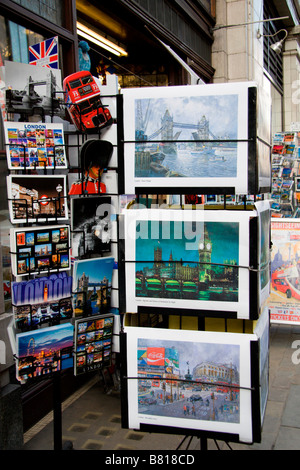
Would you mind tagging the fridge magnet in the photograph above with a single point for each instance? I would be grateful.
(82, 97)
(94, 156)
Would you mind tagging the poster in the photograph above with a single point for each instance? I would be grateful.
(284, 300)
(93, 343)
(41, 352)
(40, 250)
(41, 301)
(190, 259)
(192, 380)
(91, 226)
(37, 198)
(92, 281)
(176, 138)
(34, 145)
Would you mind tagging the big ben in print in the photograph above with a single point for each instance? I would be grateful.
(205, 249)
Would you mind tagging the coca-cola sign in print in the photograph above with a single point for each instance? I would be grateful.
(156, 356)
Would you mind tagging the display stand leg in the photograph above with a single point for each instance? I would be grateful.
(203, 443)
(57, 419)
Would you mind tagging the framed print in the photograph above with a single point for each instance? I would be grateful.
(193, 260)
(191, 382)
(262, 331)
(92, 281)
(43, 351)
(39, 250)
(43, 300)
(197, 139)
(37, 198)
(35, 146)
(264, 250)
(284, 299)
(93, 343)
(91, 226)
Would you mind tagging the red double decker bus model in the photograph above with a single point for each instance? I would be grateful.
(82, 96)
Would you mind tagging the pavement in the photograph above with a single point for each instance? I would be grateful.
(91, 417)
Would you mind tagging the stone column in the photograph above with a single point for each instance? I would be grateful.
(291, 78)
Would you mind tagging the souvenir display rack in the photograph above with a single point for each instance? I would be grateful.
(117, 177)
(43, 294)
(285, 175)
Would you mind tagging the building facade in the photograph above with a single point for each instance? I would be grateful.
(242, 51)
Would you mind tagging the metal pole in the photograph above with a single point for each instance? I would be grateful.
(57, 418)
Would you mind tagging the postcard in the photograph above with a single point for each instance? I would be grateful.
(170, 147)
(93, 343)
(92, 281)
(34, 145)
(37, 198)
(91, 226)
(190, 259)
(190, 380)
(43, 351)
(38, 250)
(42, 300)
(33, 90)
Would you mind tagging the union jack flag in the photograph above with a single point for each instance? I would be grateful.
(45, 53)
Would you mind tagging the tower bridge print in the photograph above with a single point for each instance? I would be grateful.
(165, 269)
(185, 136)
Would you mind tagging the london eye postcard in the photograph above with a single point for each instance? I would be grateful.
(44, 351)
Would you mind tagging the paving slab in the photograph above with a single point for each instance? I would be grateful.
(288, 439)
(291, 413)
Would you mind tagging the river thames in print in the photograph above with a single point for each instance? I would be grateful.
(186, 136)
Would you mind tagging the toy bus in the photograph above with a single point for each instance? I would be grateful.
(82, 96)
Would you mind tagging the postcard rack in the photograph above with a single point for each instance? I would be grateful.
(43, 294)
(126, 138)
(150, 318)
